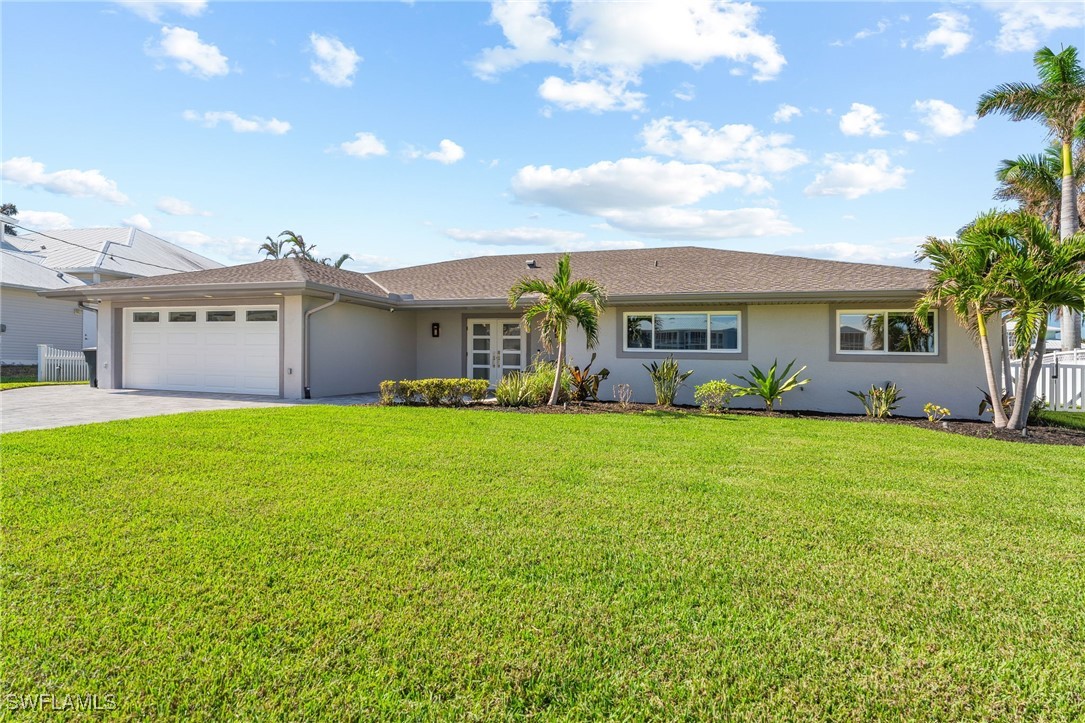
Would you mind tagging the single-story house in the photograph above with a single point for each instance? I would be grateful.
(290, 327)
(68, 258)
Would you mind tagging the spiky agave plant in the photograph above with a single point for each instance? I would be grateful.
(770, 386)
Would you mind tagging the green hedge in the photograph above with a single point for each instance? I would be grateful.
(433, 392)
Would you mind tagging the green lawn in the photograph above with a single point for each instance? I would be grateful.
(1073, 420)
(31, 383)
(330, 563)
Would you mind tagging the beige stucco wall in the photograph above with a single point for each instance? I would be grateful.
(30, 320)
(353, 348)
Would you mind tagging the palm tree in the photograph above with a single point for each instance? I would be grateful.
(1035, 182)
(299, 249)
(559, 302)
(273, 249)
(1030, 273)
(338, 263)
(962, 282)
(1058, 101)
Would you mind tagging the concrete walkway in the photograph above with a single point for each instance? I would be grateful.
(67, 405)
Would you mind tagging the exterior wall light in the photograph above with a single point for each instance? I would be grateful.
(435, 329)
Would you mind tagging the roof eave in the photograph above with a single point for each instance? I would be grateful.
(159, 291)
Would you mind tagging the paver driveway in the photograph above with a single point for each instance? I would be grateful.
(66, 405)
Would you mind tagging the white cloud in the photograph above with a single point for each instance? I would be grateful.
(44, 220)
(741, 147)
(911, 136)
(862, 120)
(1026, 23)
(898, 252)
(363, 145)
(519, 236)
(648, 197)
(590, 95)
(153, 10)
(951, 33)
(785, 112)
(942, 118)
(610, 43)
(448, 152)
(29, 173)
(255, 124)
(137, 220)
(685, 92)
(878, 29)
(334, 63)
(191, 55)
(177, 207)
(864, 173)
(239, 249)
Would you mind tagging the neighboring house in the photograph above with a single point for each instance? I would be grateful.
(89, 255)
(27, 319)
(282, 327)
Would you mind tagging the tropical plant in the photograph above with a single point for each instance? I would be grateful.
(715, 396)
(585, 385)
(9, 210)
(517, 390)
(624, 394)
(558, 303)
(338, 263)
(880, 402)
(1005, 403)
(1031, 273)
(667, 379)
(1035, 182)
(291, 245)
(770, 386)
(1057, 101)
(935, 413)
(962, 281)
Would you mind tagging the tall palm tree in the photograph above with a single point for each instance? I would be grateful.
(1057, 101)
(962, 282)
(559, 302)
(1035, 182)
(298, 248)
(274, 248)
(1031, 273)
(338, 263)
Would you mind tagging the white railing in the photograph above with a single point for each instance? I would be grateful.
(61, 365)
(1062, 382)
(1075, 355)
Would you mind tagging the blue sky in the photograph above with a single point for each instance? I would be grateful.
(405, 133)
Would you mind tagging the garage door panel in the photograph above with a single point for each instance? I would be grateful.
(216, 356)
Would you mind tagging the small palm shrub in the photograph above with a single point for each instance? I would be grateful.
(771, 386)
(880, 402)
(987, 405)
(934, 412)
(667, 379)
(715, 396)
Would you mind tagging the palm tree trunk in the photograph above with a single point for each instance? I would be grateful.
(1007, 369)
(1071, 321)
(1027, 378)
(559, 367)
(998, 414)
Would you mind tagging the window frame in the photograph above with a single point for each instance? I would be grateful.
(737, 352)
(136, 313)
(936, 332)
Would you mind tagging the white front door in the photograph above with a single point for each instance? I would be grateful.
(495, 347)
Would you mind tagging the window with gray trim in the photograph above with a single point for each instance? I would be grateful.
(144, 316)
(221, 315)
(885, 331)
(711, 331)
(262, 315)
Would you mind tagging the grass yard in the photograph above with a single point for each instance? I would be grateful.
(330, 563)
(1072, 420)
(31, 383)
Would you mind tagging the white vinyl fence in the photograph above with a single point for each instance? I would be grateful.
(1062, 381)
(61, 365)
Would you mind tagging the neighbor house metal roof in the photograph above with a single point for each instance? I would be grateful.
(25, 271)
(124, 251)
(638, 273)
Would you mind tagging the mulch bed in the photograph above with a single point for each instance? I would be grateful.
(983, 430)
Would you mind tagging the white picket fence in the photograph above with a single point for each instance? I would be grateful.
(61, 365)
(1062, 383)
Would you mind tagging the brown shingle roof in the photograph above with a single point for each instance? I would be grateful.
(637, 272)
(661, 271)
(278, 271)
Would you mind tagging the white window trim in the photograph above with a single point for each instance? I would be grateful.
(708, 329)
(886, 352)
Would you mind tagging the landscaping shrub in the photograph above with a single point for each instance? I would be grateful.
(432, 392)
(585, 386)
(770, 386)
(667, 380)
(624, 394)
(879, 402)
(987, 405)
(934, 412)
(716, 395)
(519, 389)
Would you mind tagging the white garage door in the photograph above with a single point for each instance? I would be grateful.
(203, 349)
